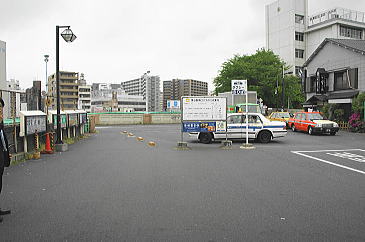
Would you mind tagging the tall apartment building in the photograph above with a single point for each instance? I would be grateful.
(69, 89)
(2, 65)
(34, 97)
(294, 35)
(176, 88)
(84, 92)
(151, 94)
(5, 95)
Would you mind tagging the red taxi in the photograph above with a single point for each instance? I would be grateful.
(312, 122)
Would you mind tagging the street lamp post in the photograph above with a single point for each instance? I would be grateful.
(46, 80)
(282, 88)
(68, 36)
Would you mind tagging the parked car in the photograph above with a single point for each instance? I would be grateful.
(312, 122)
(259, 128)
(280, 116)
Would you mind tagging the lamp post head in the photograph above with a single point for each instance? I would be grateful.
(68, 35)
(46, 58)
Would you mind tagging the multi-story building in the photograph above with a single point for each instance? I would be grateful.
(68, 90)
(176, 88)
(151, 94)
(5, 95)
(13, 84)
(34, 97)
(116, 100)
(294, 35)
(14, 99)
(84, 93)
(2, 65)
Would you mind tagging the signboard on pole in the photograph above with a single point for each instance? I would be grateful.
(32, 122)
(204, 108)
(239, 87)
(173, 104)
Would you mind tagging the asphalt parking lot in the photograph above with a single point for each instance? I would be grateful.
(115, 187)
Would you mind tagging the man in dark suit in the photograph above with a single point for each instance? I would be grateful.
(4, 154)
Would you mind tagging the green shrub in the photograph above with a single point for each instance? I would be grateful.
(358, 104)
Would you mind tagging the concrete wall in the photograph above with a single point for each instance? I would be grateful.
(136, 118)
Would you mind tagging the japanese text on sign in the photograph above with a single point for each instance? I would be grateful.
(35, 123)
(239, 87)
(204, 108)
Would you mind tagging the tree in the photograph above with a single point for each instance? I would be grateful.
(263, 70)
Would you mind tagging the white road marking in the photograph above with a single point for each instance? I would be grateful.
(313, 151)
(329, 162)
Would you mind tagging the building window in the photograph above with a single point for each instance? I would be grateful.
(299, 53)
(312, 87)
(299, 36)
(299, 19)
(341, 81)
(350, 32)
(298, 71)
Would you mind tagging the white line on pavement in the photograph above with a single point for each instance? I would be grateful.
(329, 162)
(313, 151)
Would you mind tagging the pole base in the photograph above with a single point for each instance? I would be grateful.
(61, 147)
(36, 155)
(182, 146)
(247, 147)
(226, 144)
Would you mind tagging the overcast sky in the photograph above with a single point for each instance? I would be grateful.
(120, 40)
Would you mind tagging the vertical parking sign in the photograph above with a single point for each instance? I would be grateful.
(239, 87)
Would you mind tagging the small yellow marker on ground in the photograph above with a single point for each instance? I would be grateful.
(152, 144)
(140, 138)
(130, 135)
(124, 132)
(37, 155)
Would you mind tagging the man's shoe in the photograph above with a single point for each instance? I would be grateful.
(1, 219)
(4, 212)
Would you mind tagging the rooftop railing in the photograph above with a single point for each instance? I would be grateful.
(336, 13)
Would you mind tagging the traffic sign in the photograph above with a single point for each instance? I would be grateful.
(239, 87)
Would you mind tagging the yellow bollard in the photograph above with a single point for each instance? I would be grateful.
(152, 144)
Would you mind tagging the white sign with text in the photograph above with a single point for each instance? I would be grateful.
(204, 108)
(239, 87)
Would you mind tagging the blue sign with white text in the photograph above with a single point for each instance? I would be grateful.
(199, 126)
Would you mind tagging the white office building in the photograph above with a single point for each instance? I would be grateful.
(2, 65)
(116, 100)
(151, 94)
(294, 35)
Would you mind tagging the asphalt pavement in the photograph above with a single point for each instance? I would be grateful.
(111, 187)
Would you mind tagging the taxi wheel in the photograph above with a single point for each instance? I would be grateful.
(205, 138)
(310, 130)
(293, 128)
(333, 133)
(264, 137)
